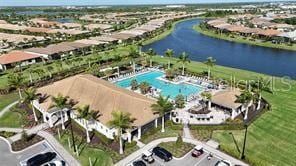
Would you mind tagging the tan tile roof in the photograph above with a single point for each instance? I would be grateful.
(16, 56)
(227, 98)
(102, 96)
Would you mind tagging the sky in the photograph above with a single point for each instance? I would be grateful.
(110, 2)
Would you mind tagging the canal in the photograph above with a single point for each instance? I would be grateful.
(242, 56)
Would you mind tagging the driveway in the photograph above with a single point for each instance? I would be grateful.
(15, 158)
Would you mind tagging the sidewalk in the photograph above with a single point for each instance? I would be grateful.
(33, 130)
(154, 143)
(7, 108)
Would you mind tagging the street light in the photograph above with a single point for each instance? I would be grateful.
(72, 135)
(245, 139)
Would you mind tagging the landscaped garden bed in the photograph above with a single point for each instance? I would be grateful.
(177, 151)
(25, 142)
(6, 134)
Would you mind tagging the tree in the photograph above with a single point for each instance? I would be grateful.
(140, 45)
(134, 54)
(144, 87)
(49, 70)
(179, 141)
(169, 53)
(180, 101)
(60, 102)
(16, 80)
(245, 99)
(183, 58)
(134, 84)
(162, 106)
(86, 114)
(261, 86)
(169, 74)
(210, 63)
(120, 120)
(30, 96)
(207, 97)
(151, 53)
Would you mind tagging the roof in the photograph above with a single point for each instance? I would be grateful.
(75, 44)
(16, 56)
(291, 35)
(102, 96)
(52, 49)
(269, 32)
(91, 42)
(227, 98)
(105, 38)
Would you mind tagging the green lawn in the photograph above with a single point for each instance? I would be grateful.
(11, 119)
(271, 138)
(98, 156)
(241, 39)
(5, 100)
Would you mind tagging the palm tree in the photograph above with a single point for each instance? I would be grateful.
(134, 84)
(207, 96)
(140, 45)
(86, 114)
(169, 53)
(30, 96)
(151, 53)
(133, 55)
(60, 102)
(49, 70)
(121, 120)
(16, 80)
(245, 99)
(210, 63)
(30, 75)
(144, 87)
(162, 106)
(183, 58)
(259, 87)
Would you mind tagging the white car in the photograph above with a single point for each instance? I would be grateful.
(56, 163)
(223, 163)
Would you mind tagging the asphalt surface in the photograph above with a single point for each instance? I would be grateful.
(8, 158)
(187, 160)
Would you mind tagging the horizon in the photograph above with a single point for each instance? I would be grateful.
(37, 3)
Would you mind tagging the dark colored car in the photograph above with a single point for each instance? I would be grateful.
(41, 159)
(139, 163)
(162, 153)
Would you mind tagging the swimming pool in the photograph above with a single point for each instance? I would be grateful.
(167, 89)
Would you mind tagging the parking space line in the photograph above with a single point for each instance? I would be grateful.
(204, 157)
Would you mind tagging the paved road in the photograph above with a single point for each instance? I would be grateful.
(154, 143)
(9, 158)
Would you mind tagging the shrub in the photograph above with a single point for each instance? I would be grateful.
(180, 101)
(130, 145)
(25, 136)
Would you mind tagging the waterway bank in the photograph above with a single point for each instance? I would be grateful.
(240, 39)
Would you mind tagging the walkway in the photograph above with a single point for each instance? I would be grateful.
(30, 131)
(154, 143)
(186, 131)
(7, 108)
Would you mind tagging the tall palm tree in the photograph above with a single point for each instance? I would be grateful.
(60, 102)
(261, 86)
(151, 53)
(16, 80)
(133, 55)
(121, 120)
(169, 53)
(144, 87)
(85, 113)
(162, 106)
(245, 99)
(30, 96)
(183, 58)
(207, 96)
(210, 62)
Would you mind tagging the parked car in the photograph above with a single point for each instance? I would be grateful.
(147, 156)
(56, 163)
(197, 151)
(223, 163)
(138, 163)
(41, 159)
(162, 153)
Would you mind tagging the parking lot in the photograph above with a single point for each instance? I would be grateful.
(187, 160)
(9, 158)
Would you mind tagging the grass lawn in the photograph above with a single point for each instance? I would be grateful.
(98, 156)
(11, 119)
(177, 151)
(156, 133)
(5, 100)
(241, 39)
(271, 138)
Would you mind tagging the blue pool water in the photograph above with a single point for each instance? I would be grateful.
(167, 89)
